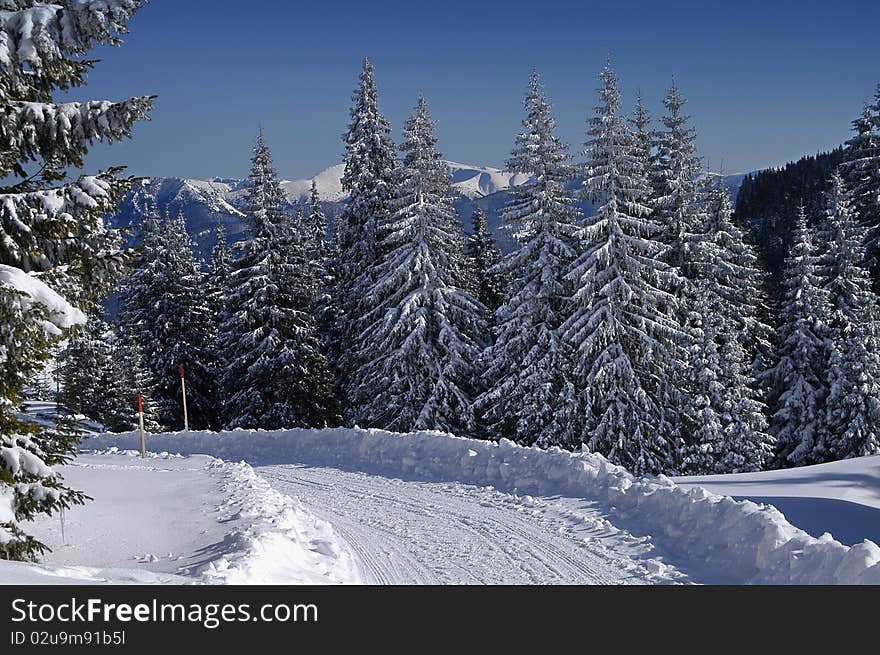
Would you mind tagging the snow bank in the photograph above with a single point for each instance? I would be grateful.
(281, 543)
(169, 519)
(726, 540)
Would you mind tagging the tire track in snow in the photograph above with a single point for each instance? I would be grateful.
(405, 532)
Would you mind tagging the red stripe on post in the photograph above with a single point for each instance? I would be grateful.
(181, 371)
(140, 404)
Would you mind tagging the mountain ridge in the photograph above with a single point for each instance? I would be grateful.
(215, 201)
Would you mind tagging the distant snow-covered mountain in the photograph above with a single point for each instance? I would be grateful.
(209, 203)
(469, 181)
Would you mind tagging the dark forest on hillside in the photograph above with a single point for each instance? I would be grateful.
(768, 202)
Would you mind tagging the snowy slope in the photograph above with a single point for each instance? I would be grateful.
(175, 520)
(328, 181)
(469, 181)
(685, 532)
(46, 414)
(842, 498)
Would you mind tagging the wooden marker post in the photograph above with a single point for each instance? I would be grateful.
(141, 425)
(183, 387)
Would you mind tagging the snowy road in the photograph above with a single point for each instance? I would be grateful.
(405, 532)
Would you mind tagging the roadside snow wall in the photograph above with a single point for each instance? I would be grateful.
(729, 541)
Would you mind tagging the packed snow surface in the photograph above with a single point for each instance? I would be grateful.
(181, 520)
(431, 507)
(413, 532)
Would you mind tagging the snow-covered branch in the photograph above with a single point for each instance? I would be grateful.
(36, 228)
(61, 133)
(41, 34)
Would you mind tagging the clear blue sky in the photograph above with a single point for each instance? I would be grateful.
(767, 81)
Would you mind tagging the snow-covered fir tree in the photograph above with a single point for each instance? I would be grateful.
(101, 377)
(370, 162)
(641, 128)
(529, 390)
(275, 373)
(315, 226)
(423, 337)
(618, 325)
(322, 254)
(77, 364)
(219, 271)
(723, 415)
(165, 308)
(674, 180)
(853, 374)
(673, 170)
(51, 227)
(486, 283)
(140, 380)
(217, 289)
(92, 379)
(861, 172)
(798, 378)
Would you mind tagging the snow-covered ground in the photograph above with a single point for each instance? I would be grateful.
(431, 507)
(413, 532)
(180, 520)
(842, 498)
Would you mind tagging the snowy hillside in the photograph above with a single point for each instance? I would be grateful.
(467, 180)
(328, 181)
(842, 498)
(175, 520)
(388, 492)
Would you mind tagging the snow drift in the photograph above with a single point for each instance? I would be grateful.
(728, 541)
(219, 523)
(282, 542)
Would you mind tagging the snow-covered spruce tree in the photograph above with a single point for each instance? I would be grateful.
(853, 375)
(77, 364)
(322, 254)
(51, 230)
(137, 292)
(674, 180)
(623, 339)
(275, 373)
(529, 391)
(101, 377)
(91, 378)
(315, 226)
(219, 270)
(217, 289)
(641, 128)
(724, 416)
(317, 246)
(423, 336)
(486, 283)
(370, 162)
(861, 172)
(797, 380)
(140, 380)
(164, 306)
